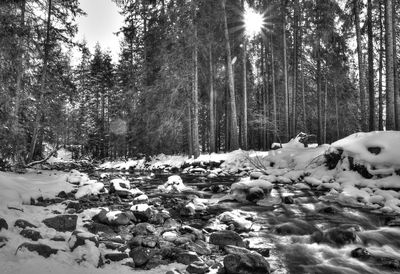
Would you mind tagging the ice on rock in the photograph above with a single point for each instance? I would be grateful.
(174, 184)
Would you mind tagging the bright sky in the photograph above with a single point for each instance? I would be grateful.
(100, 24)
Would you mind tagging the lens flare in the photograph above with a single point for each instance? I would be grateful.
(253, 22)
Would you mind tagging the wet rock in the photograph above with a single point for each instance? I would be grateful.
(74, 205)
(246, 264)
(288, 200)
(336, 236)
(79, 238)
(42, 249)
(360, 253)
(232, 249)
(186, 238)
(226, 237)
(23, 224)
(296, 227)
(197, 267)
(31, 234)
(255, 194)
(188, 257)
(3, 224)
(62, 223)
(141, 255)
(116, 257)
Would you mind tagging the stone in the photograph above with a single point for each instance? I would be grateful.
(255, 194)
(143, 229)
(79, 238)
(42, 249)
(288, 200)
(232, 249)
(256, 174)
(295, 227)
(74, 205)
(3, 224)
(23, 224)
(3, 241)
(62, 223)
(141, 255)
(200, 247)
(188, 257)
(226, 237)
(360, 253)
(31, 234)
(170, 236)
(97, 228)
(116, 257)
(197, 268)
(336, 236)
(251, 263)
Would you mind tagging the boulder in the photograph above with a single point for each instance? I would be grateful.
(41, 249)
(31, 234)
(23, 224)
(62, 223)
(335, 236)
(188, 257)
(226, 237)
(116, 257)
(79, 238)
(170, 236)
(197, 267)
(141, 255)
(3, 224)
(251, 263)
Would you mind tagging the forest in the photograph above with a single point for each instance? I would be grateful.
(192, 79)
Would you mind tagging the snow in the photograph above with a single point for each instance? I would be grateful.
(62, 156)
(174, 184)
(93, 188)
(19, 189)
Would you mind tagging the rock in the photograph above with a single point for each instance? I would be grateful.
(3, 224)
(31, 234)
(170, 236)
(3, 241)
(143, 229)
(200, 247)
(360, 253)
(295, 227)
(256, 174)
(197, 267)
(255, 194)
(116, 257)
(232, 249)
(62, 223)
(337, 236)
(23, 224)
(188, 257)
(156, 261)
(288, 200)
(97, 228)
(120, 219)
(246, 264)
(79, 238)
(74, 205)
(141, 255)
(41, 249)
(226, 237)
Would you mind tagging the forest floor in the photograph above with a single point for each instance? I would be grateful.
(328, 209)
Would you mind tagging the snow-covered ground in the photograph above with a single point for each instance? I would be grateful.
(365, 174)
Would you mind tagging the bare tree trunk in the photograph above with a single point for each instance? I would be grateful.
(336, 112)
(325, 107)
(273, 90)
(395, 72)
(360, 64)
(303, 95)
(212, 102)
(244, 80)
(285, 72)
(295, 63)
(263, 103)
(190, 138)
(42, 87)
(371, 88)
(234, 140)
(380, 92)
(18, 88)
(319, 97)
(390, 119)
(195, 97)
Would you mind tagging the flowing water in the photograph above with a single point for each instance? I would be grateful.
(307, 234)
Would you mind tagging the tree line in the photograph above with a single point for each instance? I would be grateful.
(189, 79)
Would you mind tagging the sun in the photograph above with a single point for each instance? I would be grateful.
(253, 22)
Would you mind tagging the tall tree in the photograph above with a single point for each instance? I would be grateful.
(371, 82)
(195, 91)
(234, 140)
(390, 86)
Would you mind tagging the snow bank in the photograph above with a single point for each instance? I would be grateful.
(19, 189)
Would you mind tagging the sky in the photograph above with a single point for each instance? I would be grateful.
(100, 24)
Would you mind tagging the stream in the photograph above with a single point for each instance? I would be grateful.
(303, 231)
